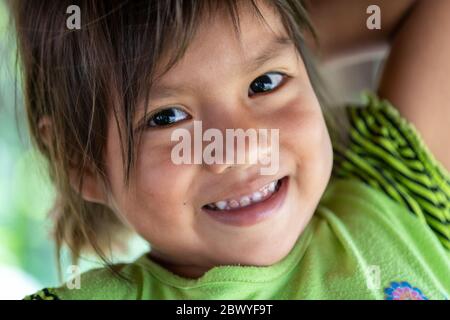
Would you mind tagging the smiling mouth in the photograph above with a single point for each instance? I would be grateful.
(255, 197)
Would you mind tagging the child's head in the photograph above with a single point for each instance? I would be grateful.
(102, 103)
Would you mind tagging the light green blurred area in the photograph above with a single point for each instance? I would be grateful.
(27, 255)
(25, 192)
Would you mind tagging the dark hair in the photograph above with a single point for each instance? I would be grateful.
(69, 76)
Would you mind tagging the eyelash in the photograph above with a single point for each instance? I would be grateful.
(177, 110)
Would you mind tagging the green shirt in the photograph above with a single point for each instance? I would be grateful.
(380, 231)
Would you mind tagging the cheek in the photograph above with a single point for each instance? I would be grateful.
(158, 193)
(302, 126)
(158, 179)
(305, 137)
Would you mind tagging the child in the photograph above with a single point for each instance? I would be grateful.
(366, 218)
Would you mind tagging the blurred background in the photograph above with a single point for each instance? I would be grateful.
(27, 256)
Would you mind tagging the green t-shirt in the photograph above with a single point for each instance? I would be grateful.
(380, 231)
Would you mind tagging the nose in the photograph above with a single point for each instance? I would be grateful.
(234, 142)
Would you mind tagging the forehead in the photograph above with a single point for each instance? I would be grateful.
(217, 44)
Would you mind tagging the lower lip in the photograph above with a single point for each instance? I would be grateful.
(254, 213)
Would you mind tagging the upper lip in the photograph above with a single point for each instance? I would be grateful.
(240, 189)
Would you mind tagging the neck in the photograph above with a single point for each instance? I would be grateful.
(182, 270)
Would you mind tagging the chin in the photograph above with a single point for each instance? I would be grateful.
(265, 254)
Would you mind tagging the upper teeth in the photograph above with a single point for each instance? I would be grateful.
(246, 200)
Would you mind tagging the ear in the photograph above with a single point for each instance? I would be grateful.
(92, 189)
(45, 133)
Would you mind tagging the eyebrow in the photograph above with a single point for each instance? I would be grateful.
(273, 49)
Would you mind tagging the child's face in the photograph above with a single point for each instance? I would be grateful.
(165, 202)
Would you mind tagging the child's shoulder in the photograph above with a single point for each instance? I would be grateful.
(387, 153)
(107, 283)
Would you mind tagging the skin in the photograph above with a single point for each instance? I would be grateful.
(341, 25)
(415, 76)
(164, 200)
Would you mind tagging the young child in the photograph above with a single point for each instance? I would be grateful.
(366, 217)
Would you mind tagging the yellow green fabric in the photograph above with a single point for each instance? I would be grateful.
(387, 153)
(380, 232)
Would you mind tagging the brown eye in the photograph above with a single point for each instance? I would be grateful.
(266, 83)
(167, 117)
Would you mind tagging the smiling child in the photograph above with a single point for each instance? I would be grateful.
(362, 218)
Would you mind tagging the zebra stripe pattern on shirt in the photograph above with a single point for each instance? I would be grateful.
(386, 152)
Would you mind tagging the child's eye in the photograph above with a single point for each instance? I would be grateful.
(167, 117)
(266, 83)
